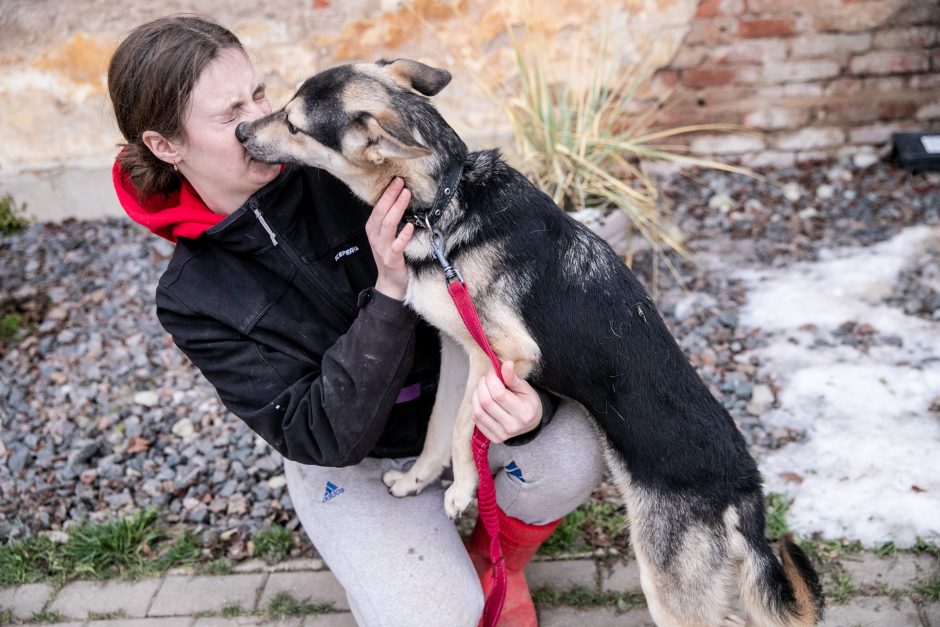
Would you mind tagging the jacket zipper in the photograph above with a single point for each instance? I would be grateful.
(336, 308)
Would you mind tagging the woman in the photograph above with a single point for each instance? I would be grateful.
(273, 295)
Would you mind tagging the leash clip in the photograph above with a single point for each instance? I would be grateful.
(437, 247)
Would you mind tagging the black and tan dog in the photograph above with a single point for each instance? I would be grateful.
(554, 298)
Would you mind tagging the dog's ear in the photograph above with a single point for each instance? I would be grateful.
(388, 137)
(424, 79)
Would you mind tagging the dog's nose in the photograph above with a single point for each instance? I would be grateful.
(241, 132)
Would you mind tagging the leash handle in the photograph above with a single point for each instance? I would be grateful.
(486, 493)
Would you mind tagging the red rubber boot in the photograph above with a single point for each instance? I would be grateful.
(520, 541)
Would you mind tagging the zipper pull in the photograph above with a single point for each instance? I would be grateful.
(265, 226)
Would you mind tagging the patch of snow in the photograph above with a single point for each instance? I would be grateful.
(870, 461)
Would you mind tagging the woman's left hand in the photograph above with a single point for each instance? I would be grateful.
(505, 411)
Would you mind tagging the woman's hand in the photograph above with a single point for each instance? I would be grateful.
(505, 411)
(387, 247)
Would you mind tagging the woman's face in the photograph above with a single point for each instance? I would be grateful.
(226, 94)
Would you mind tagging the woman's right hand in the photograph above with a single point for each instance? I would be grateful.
(387, 247)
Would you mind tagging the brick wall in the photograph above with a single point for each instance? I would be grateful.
(812, 79)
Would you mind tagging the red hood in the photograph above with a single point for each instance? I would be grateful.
(178, 214)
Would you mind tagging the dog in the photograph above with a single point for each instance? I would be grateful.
(555, 299)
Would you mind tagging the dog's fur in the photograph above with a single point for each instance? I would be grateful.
(554, 298)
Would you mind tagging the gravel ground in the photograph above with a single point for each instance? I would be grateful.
(101, 413)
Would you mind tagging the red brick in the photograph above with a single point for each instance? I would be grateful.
(706, 77)
(929, 111)
(708, 8)
(890, 63)
(766, 28)
(715, 31)
(868, 110)
(321, 4)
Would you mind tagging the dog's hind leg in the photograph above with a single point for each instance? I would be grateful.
(435, 455)
(687, 575)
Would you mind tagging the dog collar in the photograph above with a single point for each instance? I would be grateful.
(445, 192)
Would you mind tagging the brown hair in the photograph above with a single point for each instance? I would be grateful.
(150, 78)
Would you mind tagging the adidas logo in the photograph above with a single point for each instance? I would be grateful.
(515, 471)
(332, 491)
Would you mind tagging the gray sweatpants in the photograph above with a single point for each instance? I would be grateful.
(401, 560)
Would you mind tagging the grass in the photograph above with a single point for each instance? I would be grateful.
(930, 591)
(283, 605)
(777, 507)
(273, 544)
(12, 219)
(106, 615)
(10, 326)
(583, 597)
(594, 524)
(888, 549)
(46, 617)
(843, 591)
(232, 610)
(220, 566)
(6, 617)
(132, 547)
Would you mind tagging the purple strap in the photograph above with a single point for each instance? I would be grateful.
(409, 393)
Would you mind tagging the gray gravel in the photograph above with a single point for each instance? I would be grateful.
(101, 414)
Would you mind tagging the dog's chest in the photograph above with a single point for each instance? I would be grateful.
(427, 294)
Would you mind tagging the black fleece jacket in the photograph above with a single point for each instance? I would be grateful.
(275, 306)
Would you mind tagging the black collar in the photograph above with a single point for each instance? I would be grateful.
(445, 192)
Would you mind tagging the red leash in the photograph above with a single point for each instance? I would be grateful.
(486, 493)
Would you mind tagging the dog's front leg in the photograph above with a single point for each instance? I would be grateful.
(435, 455)
(459, 495)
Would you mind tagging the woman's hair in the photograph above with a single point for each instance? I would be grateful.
(150, 79)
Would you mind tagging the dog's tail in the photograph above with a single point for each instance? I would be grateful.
(780, 592)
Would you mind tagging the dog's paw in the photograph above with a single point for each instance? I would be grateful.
(391, 476)
(456, 499)
(402, 484)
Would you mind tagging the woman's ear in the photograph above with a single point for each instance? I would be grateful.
(162, 148)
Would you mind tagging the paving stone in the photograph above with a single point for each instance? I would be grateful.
(330, 620)
(899, 572)
(562, 574)
(307, 563)
(57, 624)
(250, 566)
(77, 599)
(182, 596)
(932, 614)
(624, 577)
(306, 586)
(172, 621)
(25, 600)
(594, 617)
(240, 621)
(872, 612)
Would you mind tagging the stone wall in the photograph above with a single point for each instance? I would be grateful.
(812, 79)
(830, 77)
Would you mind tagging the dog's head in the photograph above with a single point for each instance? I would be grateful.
(363, 123)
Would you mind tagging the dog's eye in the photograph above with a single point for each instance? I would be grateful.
(291, 128)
